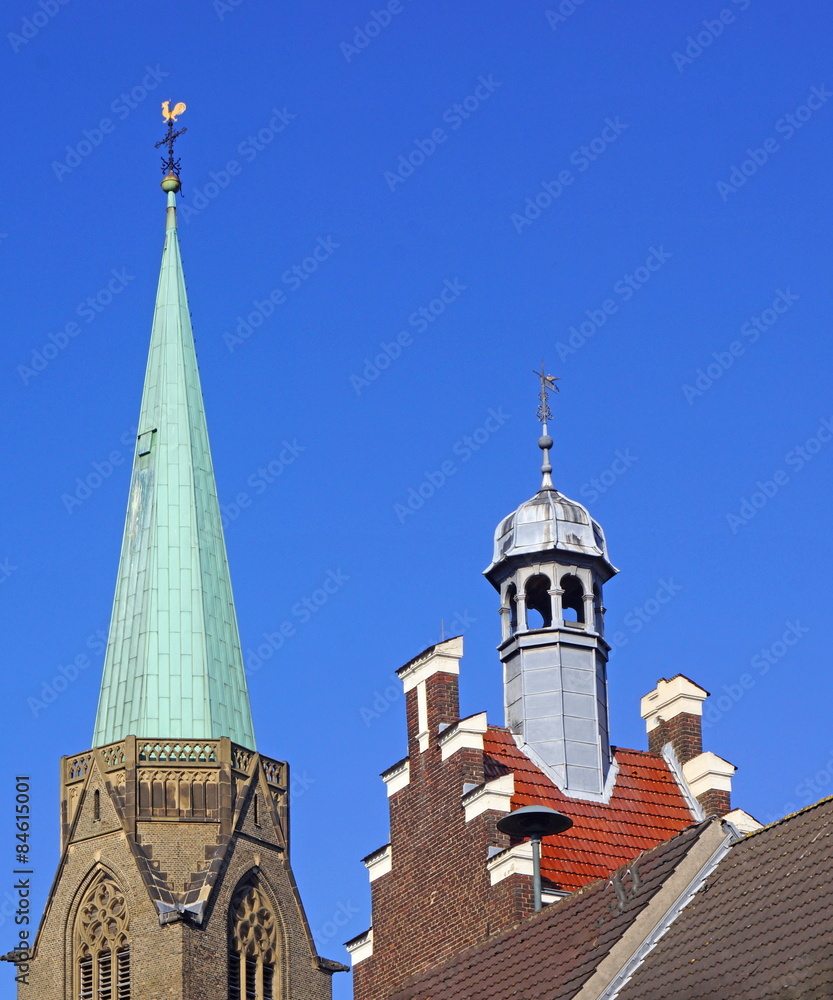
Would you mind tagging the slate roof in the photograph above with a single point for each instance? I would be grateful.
(646, 808)
(552, 954)
(762, 926)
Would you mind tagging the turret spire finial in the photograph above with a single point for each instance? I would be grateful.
(545, 415)
(170, 164)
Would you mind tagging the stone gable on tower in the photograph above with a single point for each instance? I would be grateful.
(177, 852)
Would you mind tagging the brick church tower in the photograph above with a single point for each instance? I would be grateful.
(174, 881)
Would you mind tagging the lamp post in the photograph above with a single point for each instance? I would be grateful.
(533, 823)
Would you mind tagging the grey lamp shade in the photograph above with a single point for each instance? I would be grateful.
(534, 821)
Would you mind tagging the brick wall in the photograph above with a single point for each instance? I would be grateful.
(684, 732)
(715, 802)
(437, 899)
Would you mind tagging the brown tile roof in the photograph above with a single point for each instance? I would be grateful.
(762, 926)
(550, 955)
(646, 808)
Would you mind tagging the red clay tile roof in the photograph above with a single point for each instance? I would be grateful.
(552, 954)
(646, 808)
(761, 928)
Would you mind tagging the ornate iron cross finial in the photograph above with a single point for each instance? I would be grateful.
(547, 386)
(171, 165)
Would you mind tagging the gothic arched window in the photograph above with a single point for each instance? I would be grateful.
(253, 946)
(102, 944)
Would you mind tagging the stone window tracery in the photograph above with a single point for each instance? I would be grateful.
(102, 944)
(254, 948)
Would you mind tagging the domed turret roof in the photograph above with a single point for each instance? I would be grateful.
(548, 522)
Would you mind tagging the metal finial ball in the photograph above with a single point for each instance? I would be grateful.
(171, 183)
(545, 442)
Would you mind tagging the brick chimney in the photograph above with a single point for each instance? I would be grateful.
(432, 702)
(673, 714)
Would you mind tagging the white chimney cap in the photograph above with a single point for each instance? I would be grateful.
(670, 699)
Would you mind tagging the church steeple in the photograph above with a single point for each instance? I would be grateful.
(174, 666)
(175, 877)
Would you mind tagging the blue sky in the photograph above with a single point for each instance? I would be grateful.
(390, 214)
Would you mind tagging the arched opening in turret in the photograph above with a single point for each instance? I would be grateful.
(572, 599)
(538, 602)
(512, 604)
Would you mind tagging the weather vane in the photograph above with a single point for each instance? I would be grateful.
(544, 415)
(547, 386)
(170, 165)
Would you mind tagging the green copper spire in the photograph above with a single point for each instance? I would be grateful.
(174, 667)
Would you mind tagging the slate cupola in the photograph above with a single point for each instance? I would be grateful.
(549, 565)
